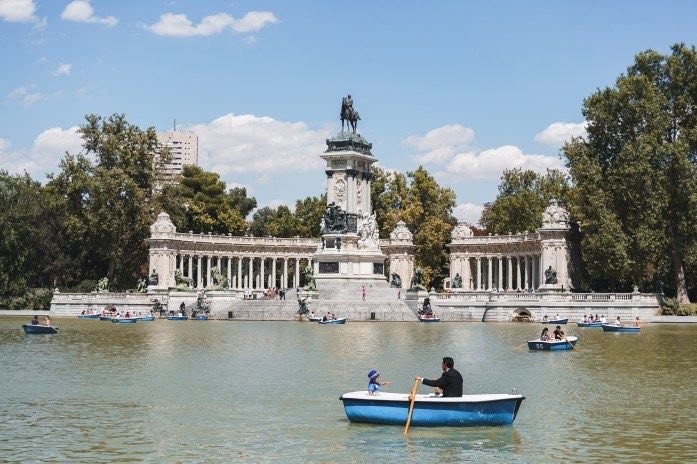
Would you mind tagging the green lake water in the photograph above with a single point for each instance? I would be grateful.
(251, 392)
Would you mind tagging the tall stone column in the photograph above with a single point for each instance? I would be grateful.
(190, 274)
(250, 277)
(199, 272)
(509, 271)
(296, 283)
(499, 261)
(533, 267)
(526, 262)
(240, 284)
(466, 273)
(489, 273)
(517, 268)
(229, 272)
(284, 279)
(262, 271)
(207, 283)
(273, 272)
(479, 273)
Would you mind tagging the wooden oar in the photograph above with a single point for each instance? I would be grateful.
(520, 346)
(412, 397)
(572, 346)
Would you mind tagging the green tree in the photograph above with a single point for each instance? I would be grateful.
(522, 198)
(635, 174)
(308, 214)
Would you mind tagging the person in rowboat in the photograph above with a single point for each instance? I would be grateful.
(618, 322)
(636, 322)
(558, 333)
(544, 336)
(47, 321)
(374, 382)
(35, 321)
(544, 318)
(450, 383)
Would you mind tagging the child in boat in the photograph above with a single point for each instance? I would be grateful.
(618, 322)
(544, 318)
(636, 322)
(374, 382)
(544, 336)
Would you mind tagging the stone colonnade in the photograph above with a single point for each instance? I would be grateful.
(498, 272)
(266, 272)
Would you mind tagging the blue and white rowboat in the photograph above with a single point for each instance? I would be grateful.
(39, 329)
(429, 319)
(105, 318)
(88, 316)
(556, 321)
(430, 411)
(590, 324)
(620, 328)
(124, 320)
(202, 317)
(552, 345)
(146, 318)
(333, 321)
(177, 318)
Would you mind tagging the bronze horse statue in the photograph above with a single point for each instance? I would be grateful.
(348, 115)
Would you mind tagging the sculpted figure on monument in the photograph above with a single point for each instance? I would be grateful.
(154, 279)
(102, 285)
(348, 115)
(457, 281)
(550, 276)
(309, 279)
(182, 282)
(142, 286)
(334, 220)
(395, 280)
(369, 234)
(416, 281)
(219, 280)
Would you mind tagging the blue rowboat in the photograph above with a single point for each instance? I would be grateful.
(177, 318)
(124, 320)
(590, 324)
(39, 329)
(333, 321)
(105, 318)
(146, 318)
(431, 411)
(429, 319)
(202, 318)
(88, 316)
(556, 321)
(552, 345)
(620, 328)
(314, 318)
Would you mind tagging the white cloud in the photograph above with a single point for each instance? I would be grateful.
(81, 11)
(247, 143)
(558, 133)
(490, 164)
(63, 69)
(18, 11)
(469, 212)
(25, 95)
(179, 25)
(440, 144)
(48, 149)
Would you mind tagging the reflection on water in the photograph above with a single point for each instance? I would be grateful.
(268, 392)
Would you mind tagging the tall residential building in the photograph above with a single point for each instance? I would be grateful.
(183, 146)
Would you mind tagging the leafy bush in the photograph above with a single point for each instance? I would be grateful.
(671, 307)
(36, 299)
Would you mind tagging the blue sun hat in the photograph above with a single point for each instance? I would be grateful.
(373, 374)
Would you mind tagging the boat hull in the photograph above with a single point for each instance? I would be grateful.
(465, 411)
(39, 329)
(88, 316)
(105, 318)
(618, 328)
(429, 319)
(334, 321)
(201, 318)
(557, 321)
(146, 318)
(556, 345)
(177, 318)
(124, 321)
(590, 324)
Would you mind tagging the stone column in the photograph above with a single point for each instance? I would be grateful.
(284, 279)
(526, 261)
(262, 271)
(190, 274)
(533, 266)
(229, 272)
(466, 273)
(296, 283)
(490, 273)
(517, 268)
(273, 272)
(479, 273)
(499, 260)
(199, 274)
(240, 284)
(181, 263)
(509, 287)
(250, 275)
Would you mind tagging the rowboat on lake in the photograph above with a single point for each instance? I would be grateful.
(552, 345)
(180, 317)
(105, 318)
(620, 328)
(124, 320)
(39, 329)
(427, 318)
(201, 317)
(333, 321)
(314, 318)
(147, 318)
(555, 321)
(431, 411)
(88, 316)
(590, 324)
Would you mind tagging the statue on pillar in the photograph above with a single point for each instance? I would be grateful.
(154, 279)
(550, 276)
(457, 281)
(395, 280)
(348, 115)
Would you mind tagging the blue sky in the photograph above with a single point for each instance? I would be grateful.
(465, 89)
